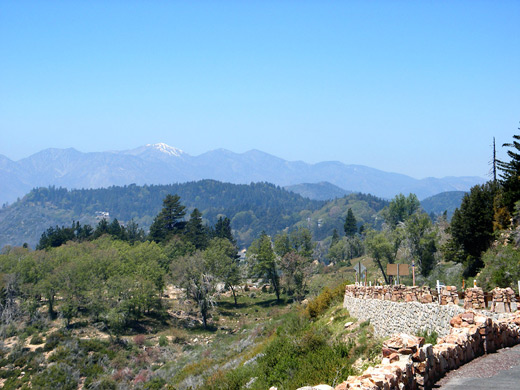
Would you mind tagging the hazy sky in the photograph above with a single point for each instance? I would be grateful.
(415, 87)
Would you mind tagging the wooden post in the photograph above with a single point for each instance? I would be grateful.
(413, 272)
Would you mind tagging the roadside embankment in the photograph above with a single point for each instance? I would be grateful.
(402, 311)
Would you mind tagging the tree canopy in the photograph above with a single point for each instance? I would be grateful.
(472, 228)
(400, 209)
(264, 262)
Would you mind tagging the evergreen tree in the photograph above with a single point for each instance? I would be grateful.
(510, 177)
(84, 232)
(101, 228)
(295, 273)
(264, 262)
(472, 228)
(169, 221)
(116, 230)
(55, 236)
(134, 233)
(350, 224)
(223, 229)
(282, 244)
(195, 231)
(335, 238)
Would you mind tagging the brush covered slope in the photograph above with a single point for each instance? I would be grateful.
(106, 314)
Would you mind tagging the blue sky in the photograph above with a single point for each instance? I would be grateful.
(415, 87)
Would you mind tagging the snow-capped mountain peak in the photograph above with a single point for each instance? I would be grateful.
(163, 148)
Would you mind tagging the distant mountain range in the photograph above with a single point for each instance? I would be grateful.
(163, 164)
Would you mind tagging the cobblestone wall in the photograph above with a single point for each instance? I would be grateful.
(388, 317)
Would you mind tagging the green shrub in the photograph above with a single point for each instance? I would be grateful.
(364, 324)
(501, 268)
(154, 384)
(236, 379)
(430, 337)
(36, 339)
(24, 359)
(8, 331)
(29, 331)
(163, 341)
(54, 339)
(319, 304)
(5, 374)
(103, 384)
(58, 376)
(296, 359)
(322, 302)
(60, 354)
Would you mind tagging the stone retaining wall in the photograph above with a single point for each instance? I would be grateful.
(396, 293)
(503, 301)
(408, 364)
(402, 293)
(389, 317)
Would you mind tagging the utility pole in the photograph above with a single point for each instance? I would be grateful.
(494, 162)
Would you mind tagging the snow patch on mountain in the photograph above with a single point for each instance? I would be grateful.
(167, 149)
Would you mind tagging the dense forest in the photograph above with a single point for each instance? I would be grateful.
(251, 208)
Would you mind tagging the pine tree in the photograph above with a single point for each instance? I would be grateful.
(195, 231)
(510, 176)
(223, 229)
(101, 228)
(115, 229)
(335, 237)
(471, 228)
(350, 224)
(169, 221)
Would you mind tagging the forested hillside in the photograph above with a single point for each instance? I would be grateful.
(445, 201)
(332, 214)
(251, 208)
(319, 191)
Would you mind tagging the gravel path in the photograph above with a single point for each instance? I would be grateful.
(499, 370)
